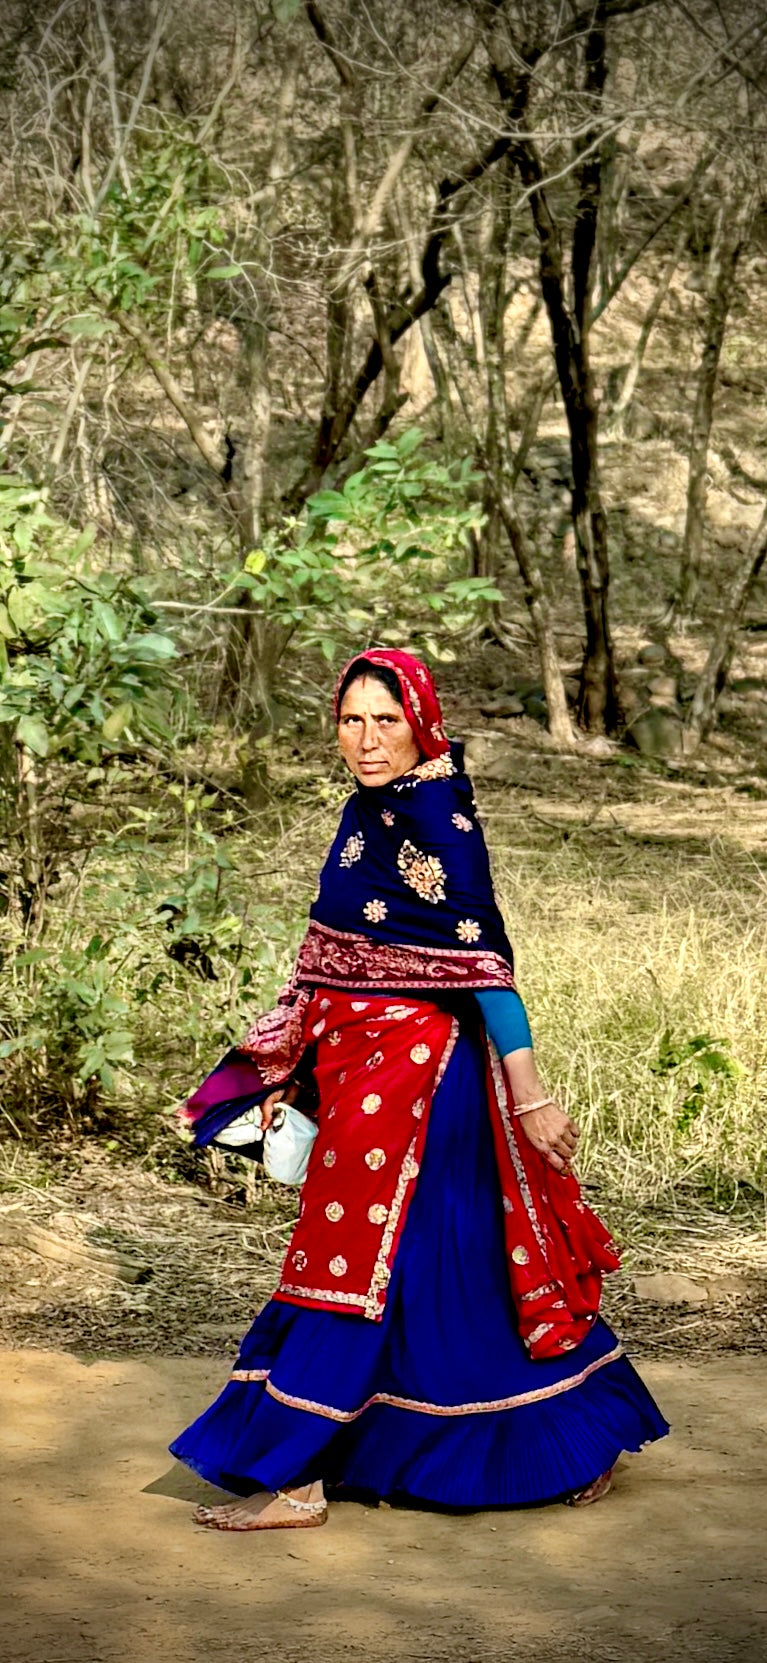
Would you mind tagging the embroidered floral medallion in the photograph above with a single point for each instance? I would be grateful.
(338, 1266)
(387, 817)
(375, 911)
(300, 1260)
(352, 850)
(334, 1211)
(468, 930)
(371, 1104)
(375, 1158)
(329, 1157)
(423, 873)
(376, 1060)
(420, 1053)
(462, 823)
(378, 1213)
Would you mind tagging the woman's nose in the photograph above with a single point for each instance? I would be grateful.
(369, 737)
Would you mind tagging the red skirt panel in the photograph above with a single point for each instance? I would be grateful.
(379, 1062)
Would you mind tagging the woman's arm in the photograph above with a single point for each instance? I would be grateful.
(549, 1129)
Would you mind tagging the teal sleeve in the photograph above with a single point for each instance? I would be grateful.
(505, 1018)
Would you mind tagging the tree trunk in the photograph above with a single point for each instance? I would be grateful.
(622, 403)
(559, 723)
(728, 242)
(716, 668)
(570, 331)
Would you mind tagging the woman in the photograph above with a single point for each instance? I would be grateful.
(435, 1333)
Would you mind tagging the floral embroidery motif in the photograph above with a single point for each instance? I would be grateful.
(325, 1004)
(414, 699)
(436, 768)
(352, 850)
(468, 930)
(375, 911)
(299, 1260)
(329, 1157)
(378, 1213)
(375, 1158)
(342, 1076)
(462, 823)
(319, 1028)
(397, 1013)
(387, 817)
(437, 730)
(423, 873)
(337, 1266)
(334, 1211)
(360, 1004)
(381, 1276)
(520, 1255)
(420, 1053)
(376, 1060)
(418, 1108)
(334, 1038)
(372, 1103)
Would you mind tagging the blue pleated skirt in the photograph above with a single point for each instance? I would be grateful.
(439, 1401)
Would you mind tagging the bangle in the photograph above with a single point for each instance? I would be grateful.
(542, 1103)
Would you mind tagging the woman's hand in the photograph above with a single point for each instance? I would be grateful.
(552, 1133)
(285, 1094)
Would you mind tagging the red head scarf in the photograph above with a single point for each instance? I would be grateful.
(419, 696)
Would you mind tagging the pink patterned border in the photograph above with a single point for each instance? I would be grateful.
(538, 1395)
(342, 958)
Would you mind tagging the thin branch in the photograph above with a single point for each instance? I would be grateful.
(133, 114)
(213, 453)
(327, 40)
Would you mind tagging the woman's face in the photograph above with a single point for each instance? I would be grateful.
(376, 739)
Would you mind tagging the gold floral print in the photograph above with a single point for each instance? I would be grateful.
(299, 1260)
(419, 1108)
(334, 1211)
(352, 850)
(329, 1157)
(468, 930)
(337, 1266)
(376, 1060)
(334, 1037)
(423, 873)
(378, 1214)
(520, 1255)
(372, 1103)
(462, 823)
(375, 911)
(375, 1158)
(420, 1053)
(387, 817)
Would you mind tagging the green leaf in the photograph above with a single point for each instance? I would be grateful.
(88, 326)
(255, 561)
(217, 274)
(32, 732)
(117, 721)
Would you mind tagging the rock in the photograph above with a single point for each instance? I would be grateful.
(657, 733)
(662, 690)
(652, 653)
(597, 746)
(488, 756)
(507, 704)
(666, 1287)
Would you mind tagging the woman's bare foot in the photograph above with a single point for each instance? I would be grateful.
(297, 1509)
(593, 1492)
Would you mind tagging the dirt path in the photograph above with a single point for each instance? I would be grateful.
(101, 1564)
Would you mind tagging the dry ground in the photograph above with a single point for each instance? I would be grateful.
(103, 1565)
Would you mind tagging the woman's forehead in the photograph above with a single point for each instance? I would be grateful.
(368, 694)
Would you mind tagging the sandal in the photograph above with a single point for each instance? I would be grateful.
(592, 1492)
